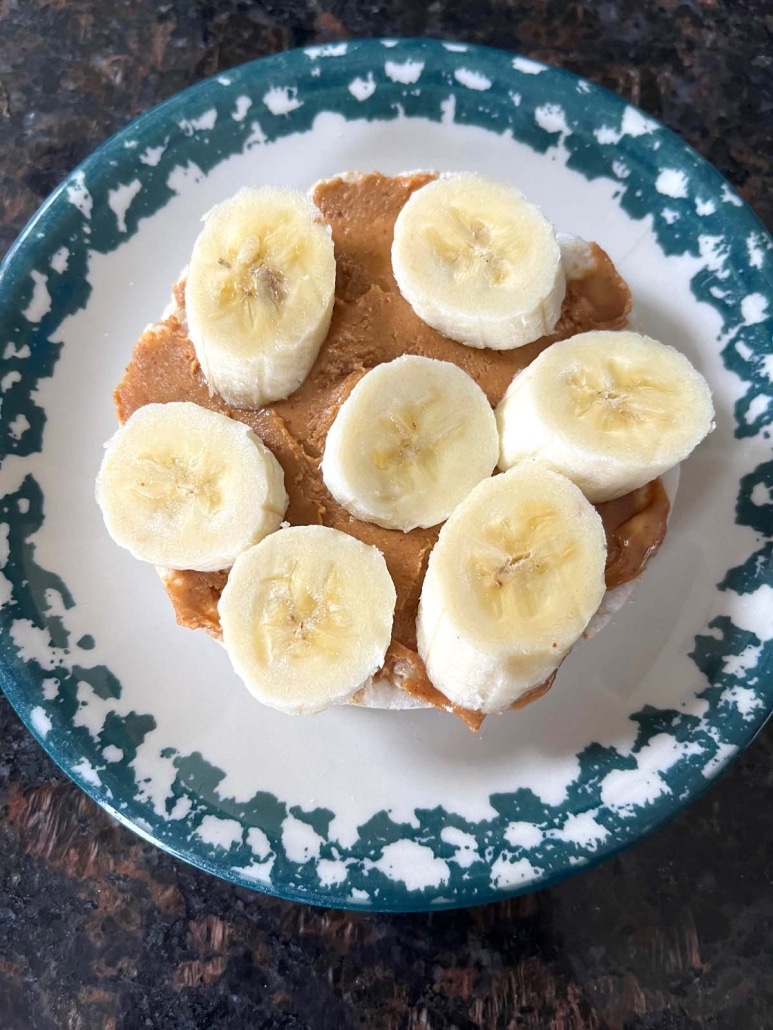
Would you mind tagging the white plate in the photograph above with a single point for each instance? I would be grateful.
(395, 810)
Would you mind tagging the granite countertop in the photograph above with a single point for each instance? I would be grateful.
(99, 929)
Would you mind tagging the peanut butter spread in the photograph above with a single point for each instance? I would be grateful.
(371, 324)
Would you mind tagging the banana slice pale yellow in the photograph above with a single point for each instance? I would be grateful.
(187, 488)
(409, 443)
(478, 262)
(514, 579)
(259, 294)
(610, 410)
(307, 617)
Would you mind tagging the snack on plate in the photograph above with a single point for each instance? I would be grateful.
(470, 439)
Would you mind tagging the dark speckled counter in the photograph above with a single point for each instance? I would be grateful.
(99, 930)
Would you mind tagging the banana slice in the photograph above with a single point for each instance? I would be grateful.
(307, 617)
(478, 262)
(259, 294)
(187, 488)
(514, 579)
(411, 440)
(610, 410)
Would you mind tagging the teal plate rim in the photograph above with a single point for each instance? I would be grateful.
(489, 75)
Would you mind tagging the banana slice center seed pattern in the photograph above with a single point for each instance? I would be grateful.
(519, 564)
(295, 618)
(181, 487)
(476, 250)
(408, 460)
(251, 281)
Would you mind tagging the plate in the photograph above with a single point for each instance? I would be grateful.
(353, 808)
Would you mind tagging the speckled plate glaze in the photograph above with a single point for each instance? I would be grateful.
(353, 808)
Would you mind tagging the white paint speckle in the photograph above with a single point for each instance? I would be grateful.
(111, 753)
(751, 612)
(182, 177)
(757, 406)
(621, 169)
(54, 602)
(523, 835)
(622, 789)
(92, 710)
(743, 699)
(260, 872)
(527, 66)
(224, 80)
(326, 50)
(669, 215)
(754, 308)
(508, 873)
(466, 846)
(222, 833)
(455, 48)
(472, 79)
(60, 260)
(256, 137)
(605, 134)
(672, 182)
(761, 495)
(729, 197)
(12, 350)
(704, 207)
(331, 872)
(633, 123)
(740, 664)
(300, 841)
(50, 688)
(722, 756)
(9, 379)
(413, 864)
(181, 808)
(358, 895)
(714, 252)
(754, 247)
(583, 830)
(636, 124)
(41, 723)
(515, 97)
(205, 121)
(448, 110)
(625, 789)
(552, 118)
(87, 773)
(40, 302)
(282, 100)
(243, 104)
(34, 643)
(119, 200)
(152, 155)
(79, 196)
(406, 72)
(363, 89)
(258, 842)
(19, 426)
